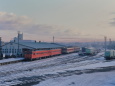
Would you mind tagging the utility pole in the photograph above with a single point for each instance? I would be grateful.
(110, 44)
(53, 39)
(18, 43)
(0, 48)
(105, 43)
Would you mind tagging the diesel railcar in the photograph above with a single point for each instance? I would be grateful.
(38, 54)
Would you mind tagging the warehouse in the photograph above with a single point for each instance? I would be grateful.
(15, 49)
(18, 45)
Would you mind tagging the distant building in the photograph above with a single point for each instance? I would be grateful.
(15, 39)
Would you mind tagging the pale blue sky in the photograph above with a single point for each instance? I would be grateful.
(88, 19)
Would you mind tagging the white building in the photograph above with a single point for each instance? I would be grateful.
(20, 36)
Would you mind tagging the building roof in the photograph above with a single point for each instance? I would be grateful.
(39, 45)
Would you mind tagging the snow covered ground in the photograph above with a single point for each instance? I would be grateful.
(93, 79)
(11, 59)
(52, 71)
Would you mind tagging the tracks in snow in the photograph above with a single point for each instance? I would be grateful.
(56, 62)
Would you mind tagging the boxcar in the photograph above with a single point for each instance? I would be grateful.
(88, 51)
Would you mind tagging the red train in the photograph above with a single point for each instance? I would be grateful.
(36, 54)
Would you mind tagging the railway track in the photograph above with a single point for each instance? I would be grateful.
(55, 64)
(27, 80)
(37, 79)
(68, 60)
(60, 61)
(10, 62)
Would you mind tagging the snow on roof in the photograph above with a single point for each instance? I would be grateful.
(40, 45)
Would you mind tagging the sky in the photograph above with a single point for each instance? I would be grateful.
(66, 20)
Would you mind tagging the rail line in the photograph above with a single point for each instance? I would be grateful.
(68, 60)
(10, 62)
(36, 80)
(58, 74)
(61, 61)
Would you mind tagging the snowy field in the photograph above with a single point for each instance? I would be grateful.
(64, 70)
(93, 79)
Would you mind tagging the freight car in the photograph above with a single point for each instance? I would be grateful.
(110, 54)
(87, 51)
(38, 54)
(76, 49)
(90, 51)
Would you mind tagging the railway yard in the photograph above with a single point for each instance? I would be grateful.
(57, 43)
(29, 73)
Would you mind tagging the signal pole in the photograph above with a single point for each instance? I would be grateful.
(53, 39)
(18, 43)
(0, 48)
(105, 43)
(110, 44)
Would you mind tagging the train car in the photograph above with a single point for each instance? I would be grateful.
(90, 51)
(83, 49)
(38, 54)
(56, 52)
(82, 52)
(68, 50)
(87, 51)
(76, 49)
(110, 54)
(28, 54)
